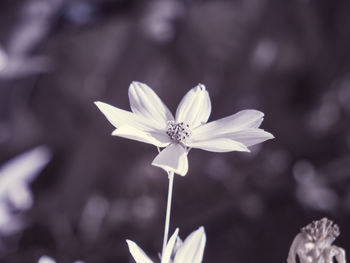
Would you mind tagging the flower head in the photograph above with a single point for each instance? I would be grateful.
(150, 121)
(177, 251)
(314, 244)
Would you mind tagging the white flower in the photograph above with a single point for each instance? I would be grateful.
(177, 251)
(151, 122)
(46, 259)
(314, 244)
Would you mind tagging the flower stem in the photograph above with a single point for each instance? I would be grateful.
(168, 208)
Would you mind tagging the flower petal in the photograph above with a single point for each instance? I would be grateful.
(138, 254)
(169, 247)
(192, 249)
(157, 139)
(218, 145)
(195, 107)
(20, 196)
(118, 117)
(46, 259)
(145, 102)
(241, 120)
(250, 137)
(172, 158)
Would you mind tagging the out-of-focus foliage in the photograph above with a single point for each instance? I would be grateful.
(289, 59)
(15, 177)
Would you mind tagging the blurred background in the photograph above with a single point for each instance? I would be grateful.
(71, 191)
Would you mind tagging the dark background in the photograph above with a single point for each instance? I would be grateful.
(289, 59)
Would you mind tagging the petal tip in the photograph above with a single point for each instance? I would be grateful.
(168, 168)
(243, 148)
(183, 173)
(134, 85)
(137, 82)
(259, 113)
(102, 106)
(115, 132)
(98, 103)
(201, 229)
(269, 136)
(137, 85)
(201, 87)
(130, 243)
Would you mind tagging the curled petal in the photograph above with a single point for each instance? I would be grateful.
(157, 139)
(138, 254)
(172, 158)
(170, 247)
(195, 107)
(192, 249)
(242, 120)
(218, 145)
(145, 102)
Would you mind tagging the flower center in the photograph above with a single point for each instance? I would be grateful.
(321, 229)
(178, 132)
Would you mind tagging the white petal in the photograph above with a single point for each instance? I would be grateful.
(193, 248)
(241, 120)
(218, 145)
(138, 254)
(178, 245)
(46, 259)
(118, 117)
(23, 168)
(195, 107)
(20, 196)
(157, 139)
(172, 158)
(145, 102)
(169, 247)
(250, 137)
(5, 215)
